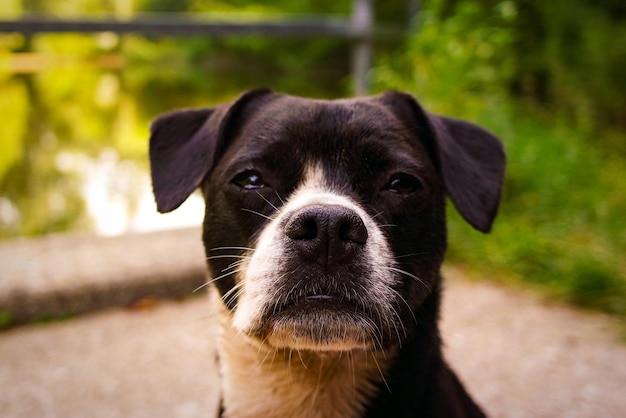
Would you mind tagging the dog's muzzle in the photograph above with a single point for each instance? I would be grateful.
(319, 278)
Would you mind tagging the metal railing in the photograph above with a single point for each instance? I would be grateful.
(359, 28)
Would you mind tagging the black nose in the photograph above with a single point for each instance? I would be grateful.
(326, 234)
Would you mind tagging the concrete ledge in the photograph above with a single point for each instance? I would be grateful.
(63, 275)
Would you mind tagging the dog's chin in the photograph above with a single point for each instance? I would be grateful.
(308, 334)
(318, 324)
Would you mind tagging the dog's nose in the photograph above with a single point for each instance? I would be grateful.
(326, 234)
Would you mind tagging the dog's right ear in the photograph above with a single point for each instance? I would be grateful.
(184, 146)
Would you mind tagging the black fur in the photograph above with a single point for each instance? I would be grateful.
(362, 143)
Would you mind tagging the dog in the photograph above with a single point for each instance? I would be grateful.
(325, 231)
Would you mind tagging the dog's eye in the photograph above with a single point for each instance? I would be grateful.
(402, 183)
(249, 179)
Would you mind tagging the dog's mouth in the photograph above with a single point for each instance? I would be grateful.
(319, 322)
(317, 302)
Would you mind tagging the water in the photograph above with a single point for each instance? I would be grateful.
(76, 114)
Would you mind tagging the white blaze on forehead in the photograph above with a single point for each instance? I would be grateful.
(315, 190)
(314, 178)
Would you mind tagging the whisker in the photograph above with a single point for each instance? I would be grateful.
(237, 290)
(232, 248)
(236, 263)
(279, 198)
(394, 324)
(267, 354)
(406, 273)
(406, 303)
(216, 279)
(243, 257)
(257, 213)
(267, 201)
(202, 286)
(226, 275)
(376, 333)
(382, 376)
(402, 327)
(275, 353)
(409, 255)
(301, 359)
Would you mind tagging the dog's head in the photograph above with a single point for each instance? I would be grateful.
(325, 220)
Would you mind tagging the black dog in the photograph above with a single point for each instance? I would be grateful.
(325, 231)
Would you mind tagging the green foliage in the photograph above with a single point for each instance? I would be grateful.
(561, 222)
(457, 58)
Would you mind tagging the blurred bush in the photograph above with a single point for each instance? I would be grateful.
(547, 78)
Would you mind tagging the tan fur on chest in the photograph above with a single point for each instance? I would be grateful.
(259, 381)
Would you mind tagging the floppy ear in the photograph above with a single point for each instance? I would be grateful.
(471, 159)
(184, 146)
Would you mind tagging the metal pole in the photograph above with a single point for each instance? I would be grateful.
(362, 22)
(414, 10)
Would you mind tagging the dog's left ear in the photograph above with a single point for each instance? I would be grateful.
(471, 159)
(184, 146)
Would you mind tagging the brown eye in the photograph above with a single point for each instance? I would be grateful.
(402, 183)
(249, 179)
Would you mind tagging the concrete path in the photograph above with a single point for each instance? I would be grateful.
(69, 274)
(518, 356)
(145, 357)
